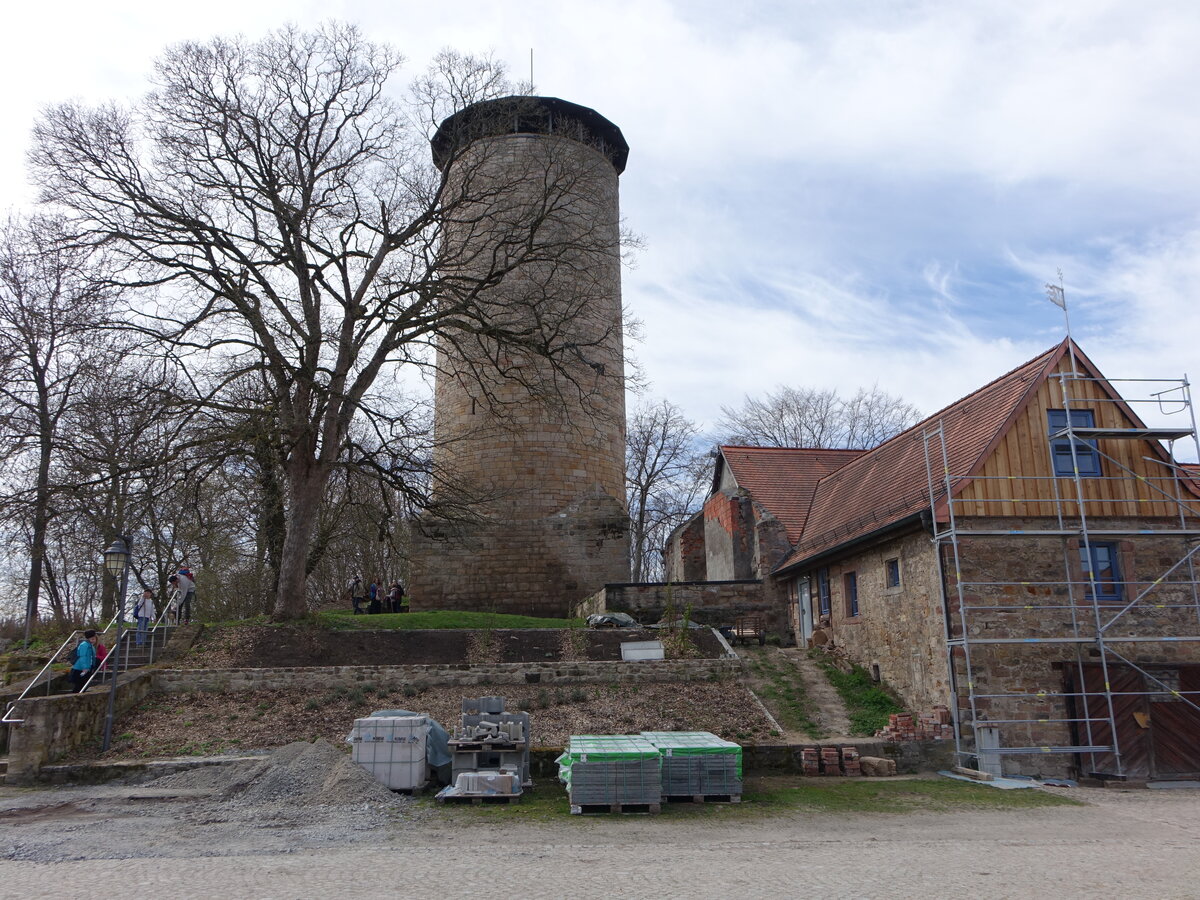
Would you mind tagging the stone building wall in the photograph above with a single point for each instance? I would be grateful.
(1045, 607)
(899, 629)
(538, 567)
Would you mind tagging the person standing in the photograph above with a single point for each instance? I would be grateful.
(186, 589)
(357, 593)
(145, 613)
(396, 597)
(85, 661)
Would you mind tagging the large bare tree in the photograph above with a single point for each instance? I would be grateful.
(811, 417)
(284, 210)
(50, 306)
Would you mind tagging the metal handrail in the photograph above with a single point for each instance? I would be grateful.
(127, 637)
(32, 684)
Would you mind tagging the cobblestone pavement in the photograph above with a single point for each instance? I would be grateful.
(1122, 844)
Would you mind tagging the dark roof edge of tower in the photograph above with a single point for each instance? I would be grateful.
(529, 115)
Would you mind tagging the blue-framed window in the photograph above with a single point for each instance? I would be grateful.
(1099, 560)
(891, 573)
(1086, 453)
(850, 586)
(823, 591)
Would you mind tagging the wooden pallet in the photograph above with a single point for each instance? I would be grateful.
(578, 809)
(481, 799)
(703, 798)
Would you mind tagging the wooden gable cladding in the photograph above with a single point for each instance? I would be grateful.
(1017, 476)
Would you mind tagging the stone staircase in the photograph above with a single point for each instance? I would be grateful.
(133, 656)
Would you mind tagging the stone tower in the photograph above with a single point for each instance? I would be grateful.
(536, 446)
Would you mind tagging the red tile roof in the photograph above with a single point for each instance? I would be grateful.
(889, 483)
(783, 479)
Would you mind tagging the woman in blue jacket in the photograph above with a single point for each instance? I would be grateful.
(85, 660)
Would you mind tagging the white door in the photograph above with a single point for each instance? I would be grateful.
(804, 600)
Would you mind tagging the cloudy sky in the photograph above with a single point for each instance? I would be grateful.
(831, 192)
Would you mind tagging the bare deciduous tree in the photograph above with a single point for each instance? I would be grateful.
(665, 478)
(50, 304)
(807, 417)
(287, 216)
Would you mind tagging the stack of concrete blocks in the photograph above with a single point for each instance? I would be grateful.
(937, 725)
(488, 738)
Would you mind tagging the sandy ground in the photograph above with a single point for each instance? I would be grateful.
(190, 836)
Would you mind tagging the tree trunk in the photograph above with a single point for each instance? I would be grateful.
(306, 483)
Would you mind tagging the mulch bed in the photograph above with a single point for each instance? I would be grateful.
(212, 723)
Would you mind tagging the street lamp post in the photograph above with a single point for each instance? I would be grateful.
(116, 561)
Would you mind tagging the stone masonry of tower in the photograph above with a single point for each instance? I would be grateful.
(538, 448)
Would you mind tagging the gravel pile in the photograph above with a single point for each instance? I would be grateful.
(299, 774)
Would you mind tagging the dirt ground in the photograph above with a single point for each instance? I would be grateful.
(181, 837)
(269, 647)
(213, 723)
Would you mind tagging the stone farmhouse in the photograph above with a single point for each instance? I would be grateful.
(1025, 556)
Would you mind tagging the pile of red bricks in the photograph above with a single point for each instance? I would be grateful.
(810, 760)
(933, 726)
(850, 764)
(830, 761)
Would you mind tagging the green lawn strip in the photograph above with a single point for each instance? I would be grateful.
(417, 621)
(868, 704)
(765, 796)
(785, 692)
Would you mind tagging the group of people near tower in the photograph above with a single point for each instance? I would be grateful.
(373, 598)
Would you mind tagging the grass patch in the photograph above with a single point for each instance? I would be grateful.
(783, 689)
(867, 703)
(434, 619)
(779, 795)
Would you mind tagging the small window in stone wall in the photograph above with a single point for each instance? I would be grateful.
(850, 587)
(823, 591)
(892, 573)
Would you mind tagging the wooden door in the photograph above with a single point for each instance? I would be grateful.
(1175, 725)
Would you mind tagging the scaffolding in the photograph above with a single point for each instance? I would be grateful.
(1078, 617)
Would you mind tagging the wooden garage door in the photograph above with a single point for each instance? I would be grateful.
(1158, 733)
(1175, 726)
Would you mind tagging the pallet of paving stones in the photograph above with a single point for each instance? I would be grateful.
(608, 770)
(583, 809)
(698, 764)
(479, 799)
(702, 798)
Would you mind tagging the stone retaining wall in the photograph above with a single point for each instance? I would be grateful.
(175, 681)
(55, 726)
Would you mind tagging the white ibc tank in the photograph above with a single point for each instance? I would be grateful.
(392, 749)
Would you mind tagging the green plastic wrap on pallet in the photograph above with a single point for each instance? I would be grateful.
(599, 747)
(693, 743)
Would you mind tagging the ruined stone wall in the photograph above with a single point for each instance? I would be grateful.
(728, 538)
(683, 557)
(712, 603)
